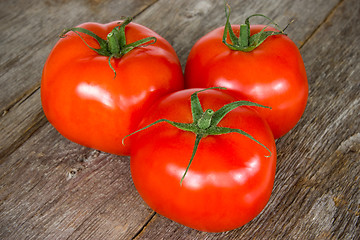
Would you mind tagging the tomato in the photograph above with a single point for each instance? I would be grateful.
(272, 74)
(230, 178)
(96, 102)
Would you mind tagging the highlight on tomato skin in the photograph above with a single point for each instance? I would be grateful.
(230, 179)
(272, 74)
(95, 100)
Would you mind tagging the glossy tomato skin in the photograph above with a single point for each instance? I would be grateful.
(230, 179)
(86, 104)
(273, 75)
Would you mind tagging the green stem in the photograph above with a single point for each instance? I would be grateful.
(244, 35)
(113, 42)
(205, 120)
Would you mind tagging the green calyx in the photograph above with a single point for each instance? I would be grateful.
(205, 123)
(245, 42)
(115, 45)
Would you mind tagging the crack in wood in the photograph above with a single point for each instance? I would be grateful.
(142, 229)
(17, 101)
(28, 132)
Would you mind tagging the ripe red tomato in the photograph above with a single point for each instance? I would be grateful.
(273, 74)
(230, 179)
(86, 104)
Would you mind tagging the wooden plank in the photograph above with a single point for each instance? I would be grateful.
(29, 30)
(316, 193)
(54, 189)
(18, 125)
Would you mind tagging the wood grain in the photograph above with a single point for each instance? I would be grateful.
(54, 188)
(51, 188)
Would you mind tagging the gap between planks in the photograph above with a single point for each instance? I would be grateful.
(330, 14)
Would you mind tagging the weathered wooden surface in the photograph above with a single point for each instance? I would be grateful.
(51, 188)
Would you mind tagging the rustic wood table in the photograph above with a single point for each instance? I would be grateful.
(51, 188)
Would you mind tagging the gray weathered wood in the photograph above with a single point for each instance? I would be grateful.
(51, 188)
(20, 123)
